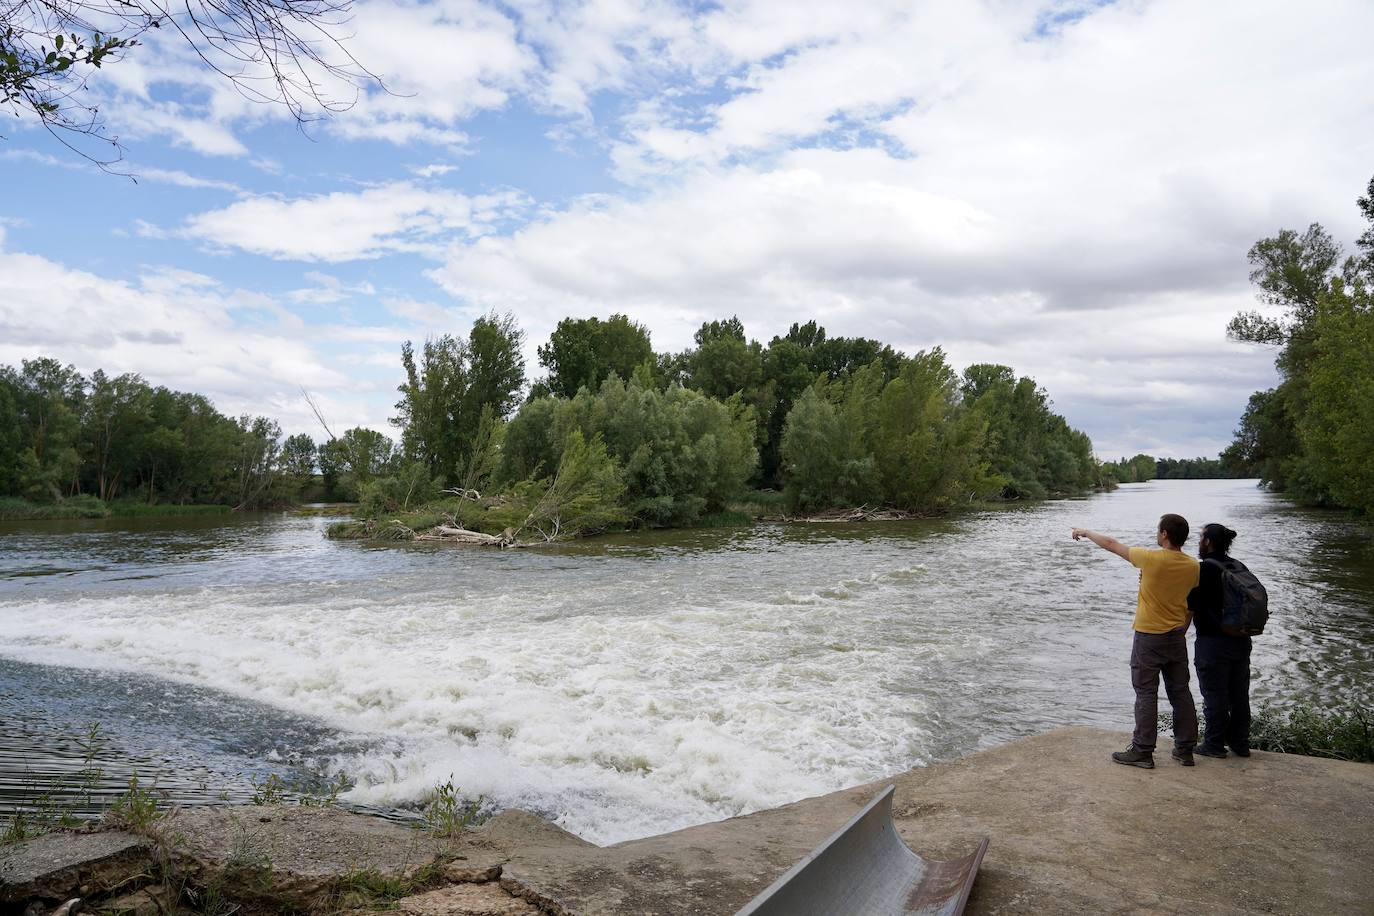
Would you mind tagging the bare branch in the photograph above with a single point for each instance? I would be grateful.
(280, 52)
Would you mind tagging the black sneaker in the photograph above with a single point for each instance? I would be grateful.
(1134, 758)
(1204, 750)
(1240, 750)
(1182, 756)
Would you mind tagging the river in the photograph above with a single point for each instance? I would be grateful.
(627, 685)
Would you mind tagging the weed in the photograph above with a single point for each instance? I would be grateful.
(325, 795)
(446, 815)
(137, 809)
(314, 792)
(47, 810)
(20, 829)
(271, 791)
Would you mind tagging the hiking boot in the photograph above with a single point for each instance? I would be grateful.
(1240, 750)
(1182, 756)
(1204, 750)
(1135, 758)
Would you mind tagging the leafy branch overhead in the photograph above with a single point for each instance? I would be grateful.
(285, 52)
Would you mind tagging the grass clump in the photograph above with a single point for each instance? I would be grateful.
(370, 889)
(1343, 733)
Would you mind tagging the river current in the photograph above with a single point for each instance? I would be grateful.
(627, 685)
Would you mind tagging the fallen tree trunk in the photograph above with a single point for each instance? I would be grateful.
(464, 536)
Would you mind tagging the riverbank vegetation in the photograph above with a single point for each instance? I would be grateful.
(1312, 436)
(102, 443)
(805, 425)
(614, 434)
(1341, 732)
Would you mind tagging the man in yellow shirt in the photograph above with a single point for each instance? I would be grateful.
(1167, 576)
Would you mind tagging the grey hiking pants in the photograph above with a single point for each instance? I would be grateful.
(1153, 655)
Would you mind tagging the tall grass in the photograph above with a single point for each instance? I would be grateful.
(760, 504)
(86, 506)
(73, 507)
(129, 508)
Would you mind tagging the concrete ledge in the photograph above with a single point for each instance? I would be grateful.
(1072, 833)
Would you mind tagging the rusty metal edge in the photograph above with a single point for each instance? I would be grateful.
(971, 877)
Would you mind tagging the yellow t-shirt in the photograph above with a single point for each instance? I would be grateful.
(1166, 578)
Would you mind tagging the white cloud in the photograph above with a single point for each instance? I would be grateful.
(346, 226)
(1064, 186)
(328, 289)
(235, 346)
(433, 170)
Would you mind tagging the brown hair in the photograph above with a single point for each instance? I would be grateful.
(1175, 528)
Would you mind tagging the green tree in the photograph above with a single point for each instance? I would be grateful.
(115, 420)
(1295, 436)
(810, 454)
(1337, 428)
(927, 452)
(50, 399)
(254, 468)
(681, 454)
(357, 457)
(583, 352)
(724, 362)
(582, 496)
(298, 463)
(448, 389)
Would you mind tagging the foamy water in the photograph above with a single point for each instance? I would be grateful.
(627, 686)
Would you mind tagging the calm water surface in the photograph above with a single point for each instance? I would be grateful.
(628, 685)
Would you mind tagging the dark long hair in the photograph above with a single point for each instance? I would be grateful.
(1219, 535)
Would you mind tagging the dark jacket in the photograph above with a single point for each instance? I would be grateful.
(1205, 600)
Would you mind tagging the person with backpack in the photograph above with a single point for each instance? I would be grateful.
(1160, 646)
(1229, 606)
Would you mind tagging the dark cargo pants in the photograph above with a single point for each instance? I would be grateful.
(1153, 655)
(1223, 676)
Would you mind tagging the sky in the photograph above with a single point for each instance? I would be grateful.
(1066, 187)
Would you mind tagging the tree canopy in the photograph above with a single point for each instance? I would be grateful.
(1312, 435)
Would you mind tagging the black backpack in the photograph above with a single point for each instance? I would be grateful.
(1244, 602)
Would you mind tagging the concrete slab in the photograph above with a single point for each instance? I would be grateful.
(1072, 833)
(59, 866)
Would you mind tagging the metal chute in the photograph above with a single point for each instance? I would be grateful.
(865, 868)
